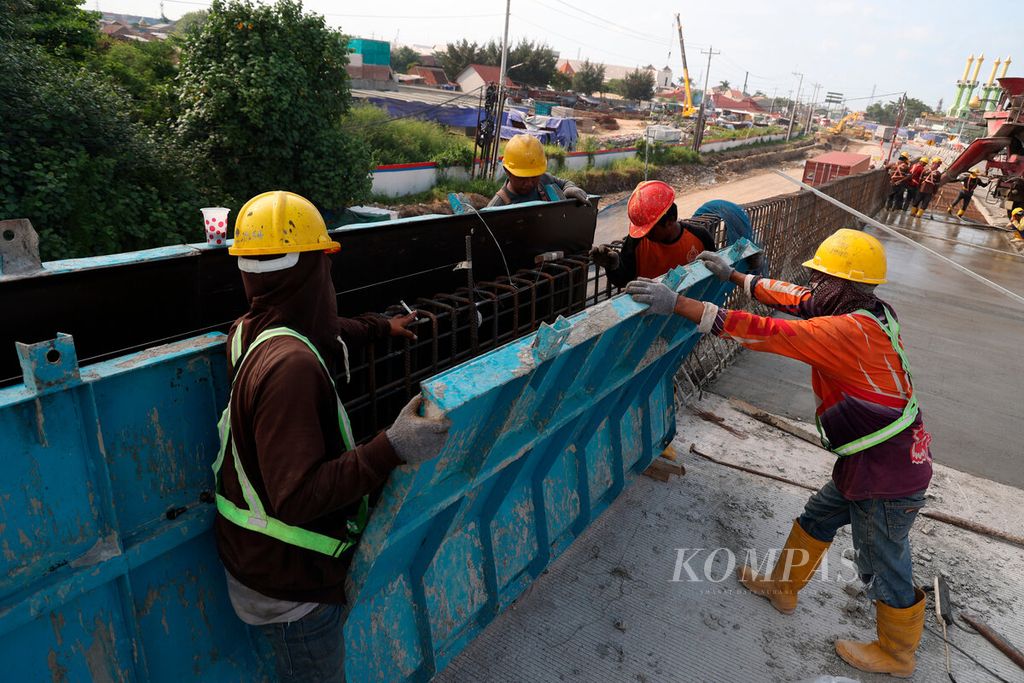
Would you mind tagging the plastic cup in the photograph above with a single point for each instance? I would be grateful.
(215, 224)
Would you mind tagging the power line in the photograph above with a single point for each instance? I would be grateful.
(615, 29)
(624, 29)
(628, 58)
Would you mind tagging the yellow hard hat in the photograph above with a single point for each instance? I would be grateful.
(280, 222)
(1017, 211)
(524, 157)
(851, 255)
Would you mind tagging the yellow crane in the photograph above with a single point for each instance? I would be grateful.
(688, 108)
(848, 119)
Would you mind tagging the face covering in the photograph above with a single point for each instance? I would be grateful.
(835, 296)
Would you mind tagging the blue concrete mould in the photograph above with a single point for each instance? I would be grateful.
(546, 432)
(109, 567)
(109, 570)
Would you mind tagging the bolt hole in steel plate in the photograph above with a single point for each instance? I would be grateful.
(9, 235)
(53, 356)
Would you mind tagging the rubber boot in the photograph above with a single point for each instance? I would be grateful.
(899, 633)
(949, 210)
(960, 213)
(791, 572)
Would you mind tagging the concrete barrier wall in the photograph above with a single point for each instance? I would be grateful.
(398, 180)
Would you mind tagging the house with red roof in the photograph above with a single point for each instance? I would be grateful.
(476, 76)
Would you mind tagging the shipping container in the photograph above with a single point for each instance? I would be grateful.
(824, 168)
(376, 52)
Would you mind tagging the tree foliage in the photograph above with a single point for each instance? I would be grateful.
(534, 62)
(407, 140)
(91, 180)
(58, 26)
(403, 59)
(560, 81)
(723, 84)
(886, 113)
(638, 85)
(189, 21)
(457, 56)
(588, 79)
(145, 71)
(262, 92)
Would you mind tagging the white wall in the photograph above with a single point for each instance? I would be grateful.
(403, 179)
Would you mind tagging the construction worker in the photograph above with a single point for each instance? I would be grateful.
(1017, 223)
(291, 482)
(658, 241)
(526, 167)
(899, 176)
(867, 415)
(970, 181)
(931, 178)
(916, 170)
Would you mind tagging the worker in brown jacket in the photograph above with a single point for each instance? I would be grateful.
(899, 178)
(291, 483)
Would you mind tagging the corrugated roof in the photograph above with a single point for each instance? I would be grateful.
(723, 102)
(432, 75)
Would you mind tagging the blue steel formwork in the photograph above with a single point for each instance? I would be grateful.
(546, 432)
(105, 515)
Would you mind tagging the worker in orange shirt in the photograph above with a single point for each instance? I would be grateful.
(931, 178)
(916, 170)
(658, 241)
(899, 177)
(867, 415)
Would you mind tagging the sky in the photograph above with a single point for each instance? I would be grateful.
(917, 46)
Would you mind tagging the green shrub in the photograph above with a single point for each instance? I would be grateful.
(666, 155)
(588, 144)
(261, 90)
(555, 153)
(91, 180)
(407, 141)
(481, 186)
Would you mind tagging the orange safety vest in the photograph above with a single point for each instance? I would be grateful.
(654, 258)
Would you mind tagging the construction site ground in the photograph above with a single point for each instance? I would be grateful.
(611, 608)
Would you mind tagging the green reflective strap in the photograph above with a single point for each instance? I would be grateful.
(292, 535)
(892, 330)
(255, 518)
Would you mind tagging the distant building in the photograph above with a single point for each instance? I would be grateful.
(476, 76)
(744, 107)
(662, 78)
(433, 76)
(134, 27)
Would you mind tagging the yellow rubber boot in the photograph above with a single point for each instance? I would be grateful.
(949, 210)
(960, 213)
(796, 564)
(899, 633)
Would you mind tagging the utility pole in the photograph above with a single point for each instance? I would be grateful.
(789, 131)
(698, 134)
(501, 88)
(772, 107)
(746, 75)
(872, 98)
(810, 110)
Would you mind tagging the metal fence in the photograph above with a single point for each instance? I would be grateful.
(484, 315)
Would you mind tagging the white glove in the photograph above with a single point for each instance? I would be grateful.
(658, 296)
(606, 257)
(577, 193)
(717, 265)
(416, 438)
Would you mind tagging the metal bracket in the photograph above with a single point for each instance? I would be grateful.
(457, 202)
(50, 365)
(554, 193)
(540, 259)
(19, 247)
(550, 338)
(673, 278)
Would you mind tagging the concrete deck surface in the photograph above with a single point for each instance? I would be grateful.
(609, 610)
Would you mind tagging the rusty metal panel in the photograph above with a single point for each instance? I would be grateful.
(546, 432)
(109, 566)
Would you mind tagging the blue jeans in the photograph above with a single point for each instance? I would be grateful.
(312, 649)
(881, 538)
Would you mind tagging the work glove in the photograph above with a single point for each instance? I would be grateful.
(577, 193)
(606, 257)
(416, 438)
(717, 265)
(661, 299)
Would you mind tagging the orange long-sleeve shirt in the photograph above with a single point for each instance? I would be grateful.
(858, 380)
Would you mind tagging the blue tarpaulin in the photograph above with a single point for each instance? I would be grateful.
(448, 115)
(563, 131)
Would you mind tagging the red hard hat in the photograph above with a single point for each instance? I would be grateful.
(649, 202)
